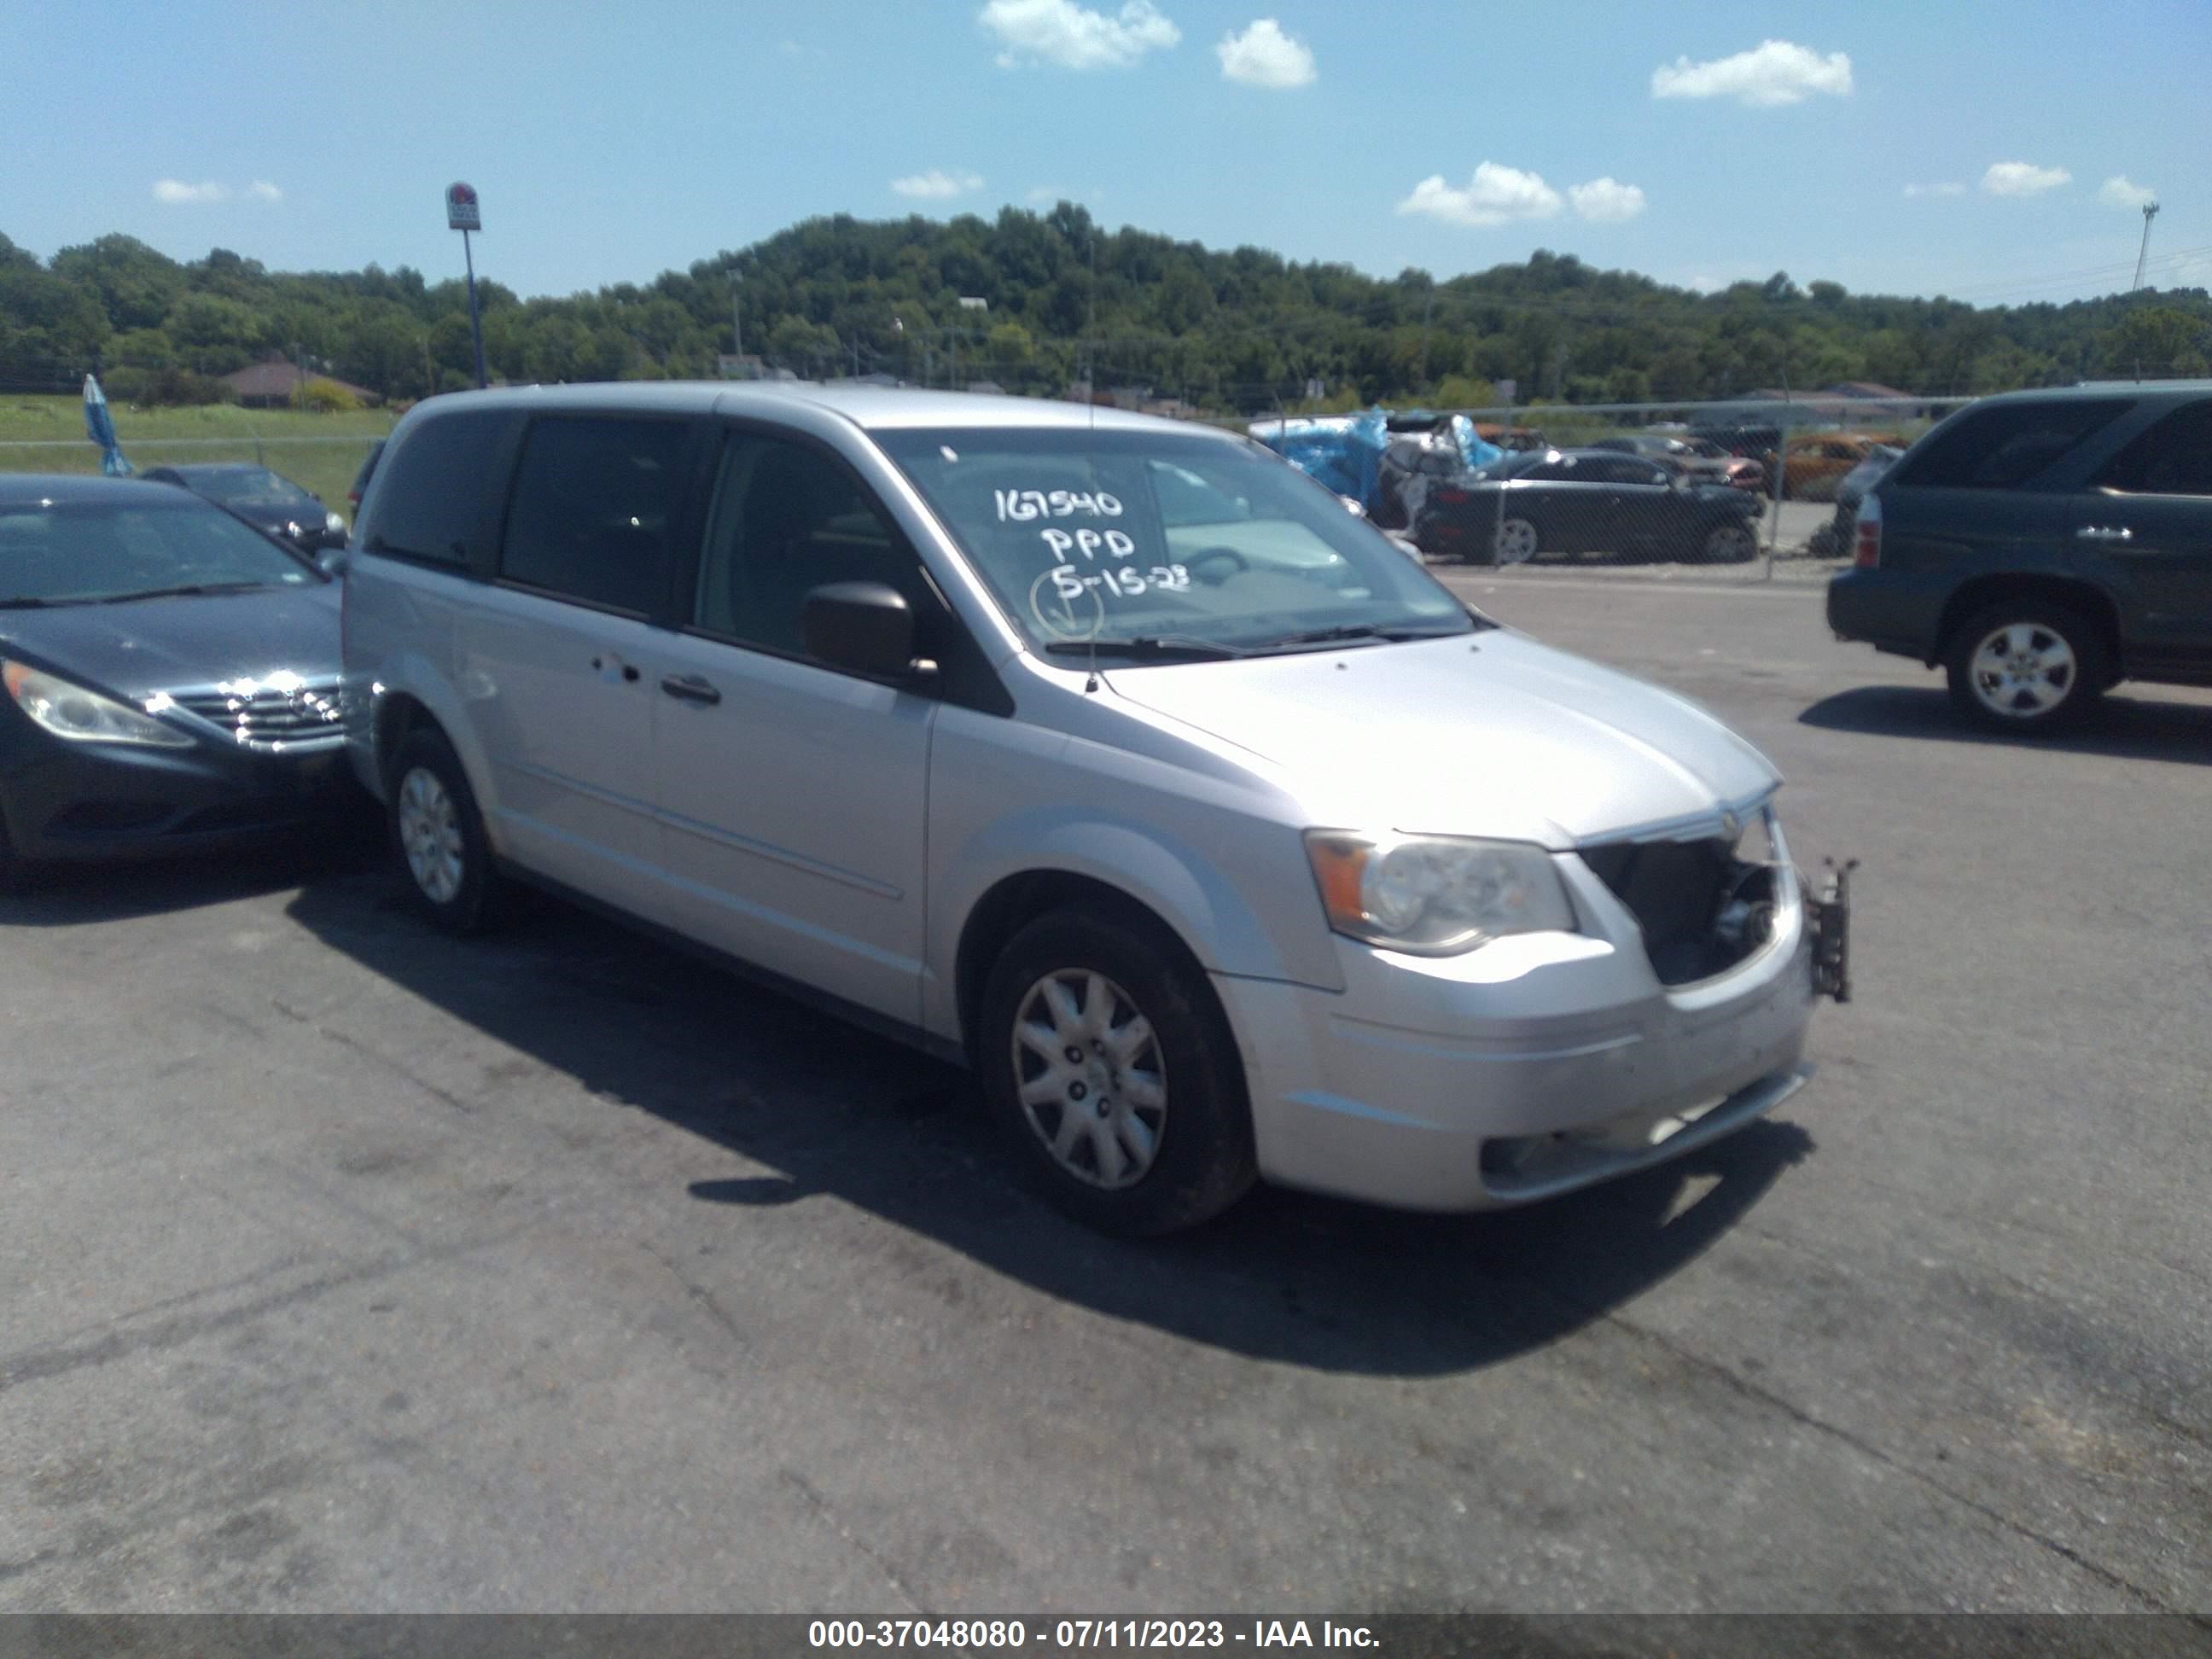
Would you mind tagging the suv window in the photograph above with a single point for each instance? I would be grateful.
(431, 506)
(2002, 448)
(593, 500)
(787, 519)
(2173, 457)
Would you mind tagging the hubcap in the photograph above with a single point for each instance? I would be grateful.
(1728, 544)
(1092, 1083)
(2023, 670)
(430, 837)
(1516, 542)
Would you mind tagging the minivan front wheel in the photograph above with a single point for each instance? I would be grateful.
(1110, 1067)
(2025, 665)
(438, 838)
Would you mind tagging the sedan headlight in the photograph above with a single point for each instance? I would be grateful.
(68, 710)
(1435, 895)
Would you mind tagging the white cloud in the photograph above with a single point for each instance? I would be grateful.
(2022, 178)
(2122, 191)
(1263, 56)
(177, 193)
(1074, 37)
(1494, 196)
(936, 184)
(1913, 191)
(1774, 72)
(1606, 201)
(263, 191)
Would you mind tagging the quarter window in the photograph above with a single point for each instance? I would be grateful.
(2003, 447)
(593, 508)
(2173, 458)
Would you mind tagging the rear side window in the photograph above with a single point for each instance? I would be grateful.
(2173, 458)
(2004, 447)
(591, 514)
(430, 504)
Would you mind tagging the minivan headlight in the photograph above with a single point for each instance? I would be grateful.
(68, 710)
(1435, 895)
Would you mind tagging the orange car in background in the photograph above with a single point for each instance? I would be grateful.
(1814, 462)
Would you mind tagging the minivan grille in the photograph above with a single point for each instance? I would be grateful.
(1680, 893)
(263, 717)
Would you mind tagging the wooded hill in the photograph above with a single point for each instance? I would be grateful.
(1063, 297)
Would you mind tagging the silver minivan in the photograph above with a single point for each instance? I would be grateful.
(1107, 755)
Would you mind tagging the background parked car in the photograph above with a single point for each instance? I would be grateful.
(1814, 463)
(1833, 538)
(171, 674)
(1698, 459)
(2043, 546)
(267, 500)
(1584, 501)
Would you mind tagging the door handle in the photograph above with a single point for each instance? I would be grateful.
(2101, 533)
(689, 688)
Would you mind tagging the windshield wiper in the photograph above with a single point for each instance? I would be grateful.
(25, 602)
(1387, 633)
(185, 588)
(1159, 647)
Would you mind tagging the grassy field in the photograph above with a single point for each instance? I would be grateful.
(318, 452)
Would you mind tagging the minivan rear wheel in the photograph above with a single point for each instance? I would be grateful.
(2027, 665)
(438, 837)
(1111, 1068)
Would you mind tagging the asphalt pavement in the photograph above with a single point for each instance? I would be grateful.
(346, 1266)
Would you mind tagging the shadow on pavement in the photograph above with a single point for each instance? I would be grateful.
(71, 895)
(835, 1113)
(2126, 728)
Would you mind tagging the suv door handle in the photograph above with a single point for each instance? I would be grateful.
(2100, 533)
(689, 688)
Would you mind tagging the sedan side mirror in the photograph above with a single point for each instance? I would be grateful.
(332, 561)
(864, 628)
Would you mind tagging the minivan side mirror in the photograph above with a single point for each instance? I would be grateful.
(865, 628)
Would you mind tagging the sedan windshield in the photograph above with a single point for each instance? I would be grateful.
(239, 486)
(82, 554)
(1161, 545)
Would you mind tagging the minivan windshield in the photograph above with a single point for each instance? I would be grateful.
(1158, 545)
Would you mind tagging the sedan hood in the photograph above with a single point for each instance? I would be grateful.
(1486, 734)
(140, 646)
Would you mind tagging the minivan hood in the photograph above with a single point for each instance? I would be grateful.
(140, 646)
(1487, 734)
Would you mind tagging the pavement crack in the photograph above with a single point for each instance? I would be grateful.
(701, 1294)
(375, 1057)
(799, 1484)
(1751, 1390)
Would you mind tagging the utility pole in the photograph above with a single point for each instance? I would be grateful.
(737, 320)
(1427, 311)
(2149, 213)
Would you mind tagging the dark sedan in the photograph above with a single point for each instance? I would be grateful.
(268, 500)
(172, 674)
(1584, 501)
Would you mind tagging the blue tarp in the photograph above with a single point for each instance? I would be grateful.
(1345, 451)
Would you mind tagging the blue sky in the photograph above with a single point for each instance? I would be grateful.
(620, 141)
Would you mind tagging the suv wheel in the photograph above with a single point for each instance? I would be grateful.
(438, 836)
(1110, 1067)
(2027, 665)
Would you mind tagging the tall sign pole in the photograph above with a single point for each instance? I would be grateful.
(464, 214)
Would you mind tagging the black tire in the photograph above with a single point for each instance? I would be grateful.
(474, 902)
(1201, 1159)
(15, 874)
(2044, 632)
(1727, 543)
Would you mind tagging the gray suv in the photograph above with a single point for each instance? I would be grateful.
(2043, 546)
(1107, 755)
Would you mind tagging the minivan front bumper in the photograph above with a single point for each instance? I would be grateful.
(1524, 1070)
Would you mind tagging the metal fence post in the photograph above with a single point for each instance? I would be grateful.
(259, 460)
(1781, 475)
